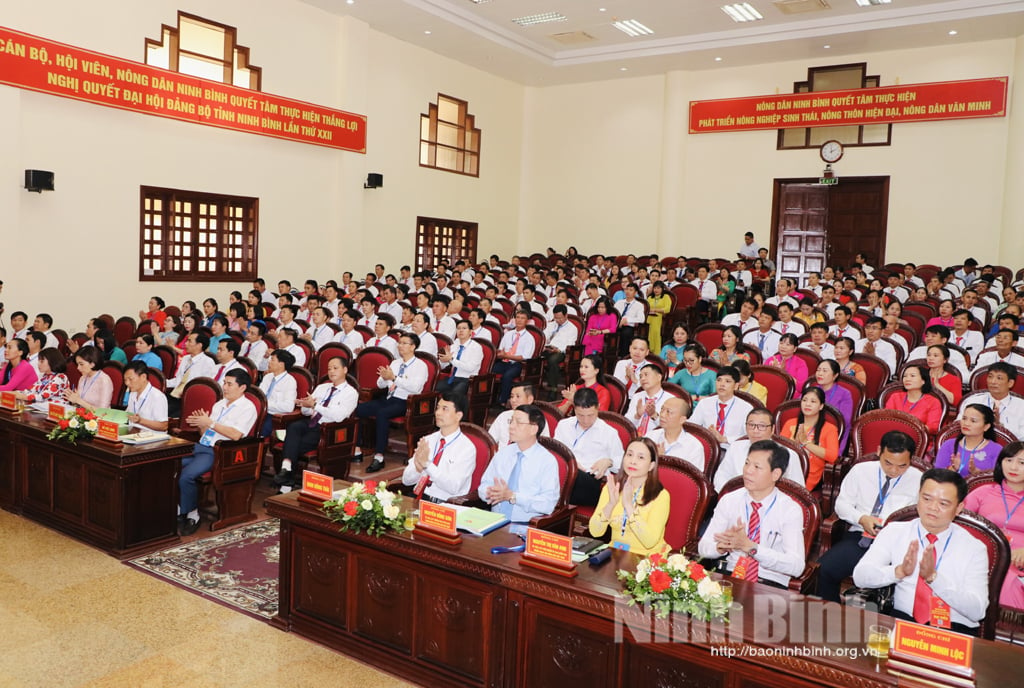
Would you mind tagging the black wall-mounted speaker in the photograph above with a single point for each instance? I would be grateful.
(374, 181)
(38, 180)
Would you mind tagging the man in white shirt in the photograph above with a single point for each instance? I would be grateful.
(522, 394)
(891, 333)
(286, 342)
(723, 413)
(390, 304)
(874, 344)
(405, 377)
(440, 321)
(828, 302)
(421, 328)
(516, 346)
(749, 248)
(895, 290)
(231, 418)
(842, 326)
(43, 323)
(279, 387)
(521, 481)
(595, 444)
(760, 425)
(707, 290)
(940, 569)
(765, 337)
(909, 276)
(967, 339)
(627, 369)
(1004, 353)
(146, 406)
(319, 333)
(287, 317)
(670, 437)
(331, 402)
(745, 319)
(531, 302)
(195, 363)
(36, 342)
(742, 277)
(632, 314)
(782, 289)
(19, 325)
(1008, 409)
(465, 357)
(227, 359)
(758, 528)
(819, 343)
(254, 348)
(559, 335)
(348, 334)
(645, 404)
(443, 463)
(935, 335)
(870, 492)
(381, 340)
(785, 323)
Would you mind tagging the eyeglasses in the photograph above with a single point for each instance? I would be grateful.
(758, 426)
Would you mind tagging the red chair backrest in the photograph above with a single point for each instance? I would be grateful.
(951, 430)
(686, 296)
(626, 430)
(789, 410)
(433, 369)
(856, 389)
(811, 359)
(157, 379)
(979, 381)
(617, 392)
(678, 392)
(712, 450)
(485, 449)
(690, 493)
(779, 383)
(566, 467)
(494, 330)
(115, 371)
(200, 394)
(538, 339)
(709, 336)
(551, 415)
(490, 354)
(876, 371)
(168, 358)
(124, 329)
(304, 383)
(868, 429)
(326, 353)
(367, 363)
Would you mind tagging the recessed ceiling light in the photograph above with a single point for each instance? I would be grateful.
(826, 47)
(952, 33)
(602, 9)
(867, 3)
(543, 18)
(631, 27)
(427, 32)
(623, 69)
(718, 59)
(350, 2)
(742, 12)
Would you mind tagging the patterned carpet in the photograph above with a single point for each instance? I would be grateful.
(238, 568)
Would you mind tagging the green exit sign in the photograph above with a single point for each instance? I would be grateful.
(829, 181)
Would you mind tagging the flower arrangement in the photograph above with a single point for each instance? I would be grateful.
(366, 508)
(675, 584)
(76, 424)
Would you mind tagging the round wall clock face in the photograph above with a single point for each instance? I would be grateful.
(831, 151)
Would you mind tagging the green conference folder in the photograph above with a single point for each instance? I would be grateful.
(479, 522)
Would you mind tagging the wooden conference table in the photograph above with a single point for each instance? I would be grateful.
(461, 616)
(122, 499)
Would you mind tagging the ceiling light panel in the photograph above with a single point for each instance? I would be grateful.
(742, 12)
(868, 3)
(631, 27)
(543, 18)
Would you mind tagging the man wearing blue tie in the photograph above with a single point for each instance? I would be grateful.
(463, 359)
(522, 478)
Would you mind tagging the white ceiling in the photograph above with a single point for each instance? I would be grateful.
(688, 34)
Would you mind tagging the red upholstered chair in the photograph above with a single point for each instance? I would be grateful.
(325, 354)
(712, 450)
(877, 373)
(200, 393)
(709, 335)
(751, 399)
(806, 582)
(365, 368)
(998, 549)
(868, 428)
(655, 360)
(887, 392)
(617, 392)
(560, 518)
(678, 392)
(124, 329)
(482, 385)
(753, 352)
(779, 383)
(236, 470)
(789, 410)
(551, 414)
(129, 349)
(952, 429)
(811, 359)
(250, 367)
(494, 330)
(533, 367)
(157, 379)
(690, 493)
(115, 371)
(856, 389)
(333, 453)
(788, 443)
(485, 451)
(144, 327)
(168, 358)
(73, 373)
(686, 301)
(979, 381)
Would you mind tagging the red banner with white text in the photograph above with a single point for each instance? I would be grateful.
(883, 105)
(38, 64)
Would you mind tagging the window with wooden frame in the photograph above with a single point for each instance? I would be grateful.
(449, 139)
(195, 236)
(444, 241)
(203, 48)
(836, 78)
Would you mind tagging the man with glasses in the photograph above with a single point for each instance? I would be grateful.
(870, 492)
(521, 481)
(759, 426)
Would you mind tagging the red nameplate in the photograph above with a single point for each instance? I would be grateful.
(8, 401)
(548, 552)
(55, 411)
(939, 649)
(437, 522)
(107, 430)
(317, 485)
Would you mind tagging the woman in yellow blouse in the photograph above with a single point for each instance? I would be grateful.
(634, 503)
(661, 305)
(747, 383)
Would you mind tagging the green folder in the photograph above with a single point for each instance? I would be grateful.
(479, 522)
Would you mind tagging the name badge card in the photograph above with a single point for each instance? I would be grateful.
(937, 653)
(317, 485)
(8, 401)
(107, 430)
(438, 522)
(55, 411)
(549, 552)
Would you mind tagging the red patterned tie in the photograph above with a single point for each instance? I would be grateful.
(754, 533)
(425, 480)
(721, 419)
(220, 373)
(923, 594)
(646, 420)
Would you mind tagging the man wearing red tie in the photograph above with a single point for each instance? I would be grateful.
(940, 570)
(757, 527)
(443, 464)
(516, 346)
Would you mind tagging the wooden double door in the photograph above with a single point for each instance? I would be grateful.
(814, 225)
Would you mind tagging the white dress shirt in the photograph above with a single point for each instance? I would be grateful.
(848, 331)
(387, 343)
(525, 346)
(407, 382)
(282, 398)
(353, 340)
(240, 414)
(446, 325)
(731, 465)
(320, 335)
(990, 357)
(765, 342)
(883, 350)
(539, 486)
(620, 373)
(862, 485)
(640, 398)
(961, 569)
(150, 404)
(428, 344)
(780, 554)
(199, 365)
(745, 326)
(499, 428)
(599, 441)
(453, 474)
(392, 309)
(561, 336)
(970, 341)
(255, 352)
(686, 447)
(220, 371)
(1011, 410)
(706, 414)
(468, 358)
(707, 290)
(298, 352)
(632, 312)
(340, 406)
(776, 300)
(791, 327)
(826, 350)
